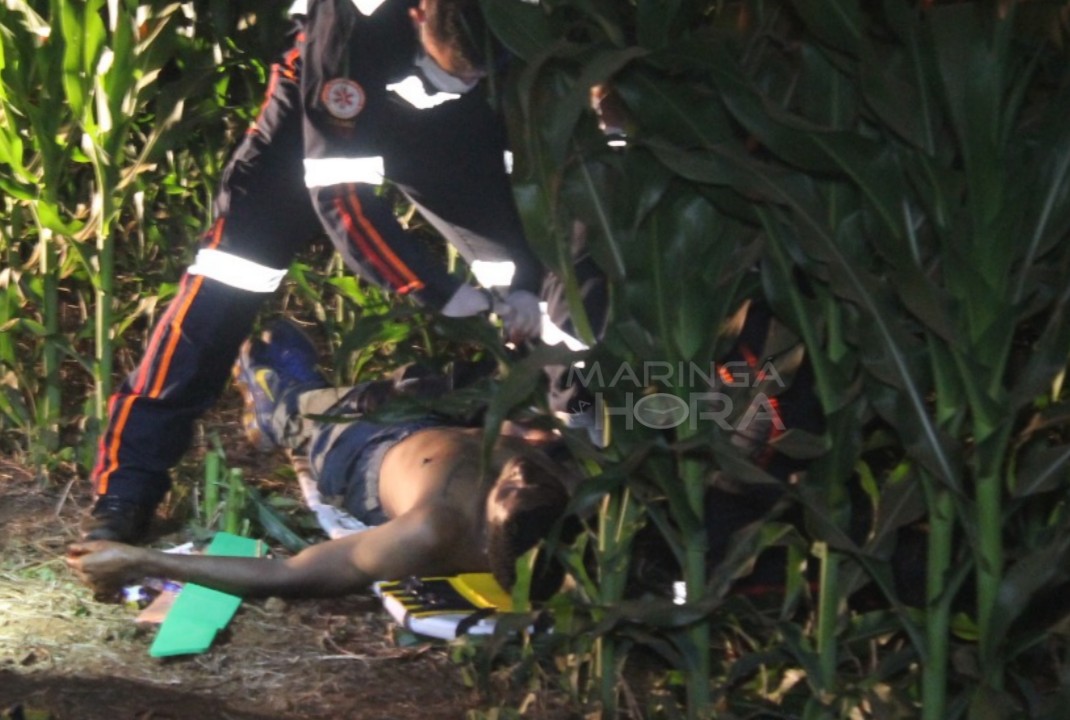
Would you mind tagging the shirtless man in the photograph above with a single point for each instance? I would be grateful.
(420, 483)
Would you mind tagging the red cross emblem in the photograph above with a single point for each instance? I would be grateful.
(343, 98)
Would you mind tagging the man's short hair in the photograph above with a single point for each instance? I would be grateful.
(459, 25)
(527, 524)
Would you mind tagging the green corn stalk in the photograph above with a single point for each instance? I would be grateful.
(934, 681)
(84, 123)
(110, 73)
(669, 258)
(960, 223)
(212, 481)
(41, 179)
(884, 150)
(832, 365)
(225, 494)
(616, 527)
(49, 409)
(234, 506)
(691, 473)
(104, 115)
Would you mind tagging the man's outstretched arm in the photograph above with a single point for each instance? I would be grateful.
(405, 546)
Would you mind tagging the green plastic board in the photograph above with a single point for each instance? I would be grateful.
(199, 612)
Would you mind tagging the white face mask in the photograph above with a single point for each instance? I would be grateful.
(440, 79)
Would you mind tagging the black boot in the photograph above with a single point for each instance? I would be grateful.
(114, 518)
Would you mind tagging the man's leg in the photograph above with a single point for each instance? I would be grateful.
(151, 415)
(288, 405)
(296, 423)
(345, 452)
(264, 217)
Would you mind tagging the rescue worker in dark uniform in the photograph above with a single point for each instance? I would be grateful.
(372, 90)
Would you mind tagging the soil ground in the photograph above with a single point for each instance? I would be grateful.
(64, 655)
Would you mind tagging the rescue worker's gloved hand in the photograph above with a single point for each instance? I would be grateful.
(521, 315)
(466, 302)
(519, 310)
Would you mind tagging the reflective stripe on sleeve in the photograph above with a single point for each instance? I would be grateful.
(367, 7)
(237, 272)
(412, 90)
(324, 172)
(553, 335)
(493, 274)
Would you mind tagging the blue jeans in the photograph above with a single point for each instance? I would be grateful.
(346, 452)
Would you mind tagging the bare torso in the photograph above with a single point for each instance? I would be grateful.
(442, 464)
(437, 470)
(419, 469)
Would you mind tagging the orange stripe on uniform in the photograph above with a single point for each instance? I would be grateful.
(108, 449)
(102, 470)
(217, 234)
(362, 244)
(277, 71)
(287, 69)
(172, 320)
(273, 81)
(409, 281)
(774, 403)
(176, 335)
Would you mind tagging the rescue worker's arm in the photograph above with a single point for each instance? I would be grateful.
(366, 232)
(417, 543)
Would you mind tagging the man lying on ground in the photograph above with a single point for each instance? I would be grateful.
(419, 483)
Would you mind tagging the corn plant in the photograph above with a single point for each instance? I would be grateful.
(896, 174)
(112, 129)
(33, 115)
(929, 241)
(666, 250)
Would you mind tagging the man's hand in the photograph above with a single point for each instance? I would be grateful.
(105, 566)
(520, 314)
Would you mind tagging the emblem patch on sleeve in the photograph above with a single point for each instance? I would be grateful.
(343, 98)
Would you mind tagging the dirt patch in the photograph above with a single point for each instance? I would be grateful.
(65, 654)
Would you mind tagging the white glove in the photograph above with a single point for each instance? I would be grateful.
(520, 314)
(467, 301)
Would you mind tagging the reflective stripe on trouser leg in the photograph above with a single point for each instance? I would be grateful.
(183, 371)
(237, 272)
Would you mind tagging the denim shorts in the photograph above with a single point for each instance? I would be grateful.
(351, 466)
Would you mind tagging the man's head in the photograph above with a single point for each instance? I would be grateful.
(452, 33)
(522, 507)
